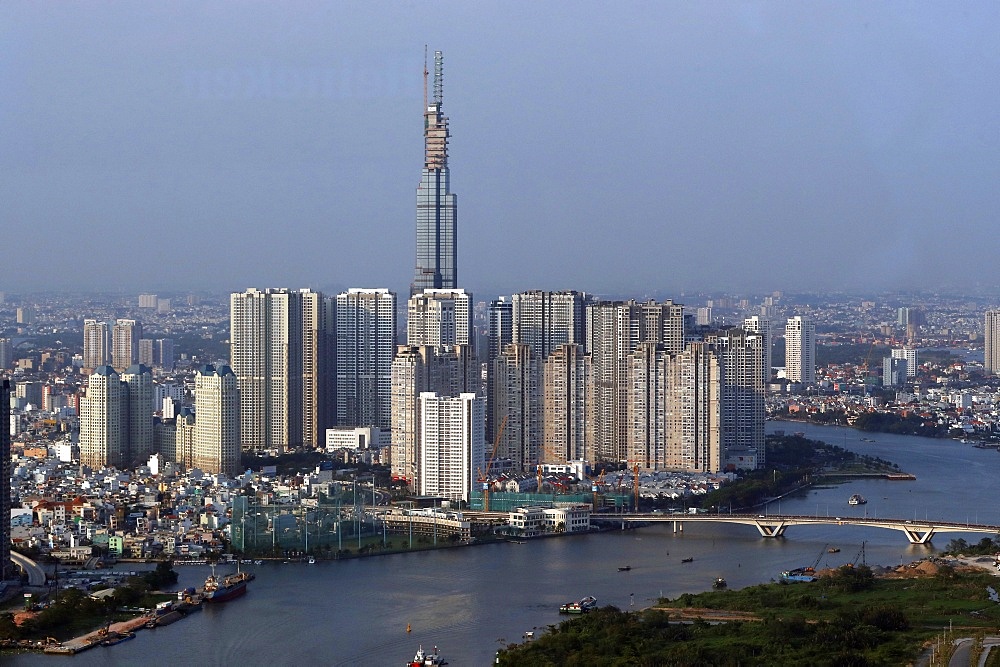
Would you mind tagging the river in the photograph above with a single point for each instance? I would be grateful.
(471, 601)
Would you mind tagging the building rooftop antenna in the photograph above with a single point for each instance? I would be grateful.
(425, 77)
(438, 78)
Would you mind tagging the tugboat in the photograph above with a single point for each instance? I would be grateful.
(423, 658)
(719, 583)
(856, 499)
(581, 607)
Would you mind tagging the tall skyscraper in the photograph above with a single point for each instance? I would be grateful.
(800, 350)
(6, 353)
(138, 418)
(546, 320)
(440, 317)
(365, 325)
(96, 344)
(281, 354)
(437, 214)
(501, 326)
(991, 350)
(893, 371)
(216, 447)
(125, 338)
(6, 566)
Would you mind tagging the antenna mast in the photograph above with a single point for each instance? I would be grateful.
(425, 77)
(438, 78)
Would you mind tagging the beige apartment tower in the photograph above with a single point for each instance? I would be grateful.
(568, 404)
(216, 442)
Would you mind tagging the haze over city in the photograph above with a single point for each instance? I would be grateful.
(615, 149)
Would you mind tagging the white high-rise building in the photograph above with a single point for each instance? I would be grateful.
(991, 350)
(280, 352)
(216, 447)
(96, 344)
(452, 446)
(366, 343)
(440, 317)
(800, 350)
(910, 354)
(762, 325)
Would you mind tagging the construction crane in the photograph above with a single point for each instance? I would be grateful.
(859, 556)
(484, 476)
(815, 563)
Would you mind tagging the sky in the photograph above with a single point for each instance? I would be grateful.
(617, 148)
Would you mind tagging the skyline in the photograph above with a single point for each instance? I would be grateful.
(708, 148)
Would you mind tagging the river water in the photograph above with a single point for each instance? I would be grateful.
(471, 601)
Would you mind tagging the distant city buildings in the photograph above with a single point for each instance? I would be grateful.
(7, 570)
(908, 354)
(96, 344)
(125, 336)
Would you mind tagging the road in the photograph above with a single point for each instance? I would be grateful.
(36, 577)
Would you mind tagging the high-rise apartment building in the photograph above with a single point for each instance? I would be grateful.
(762, 325)
(96, 344)
(452, 447)
(147, 301)
(741, 354)
(7, 570)
(991, 350)
(501, 326)
(614, 329)
(138, 413)
(800, 350)
(910, 355)
(437, 207)
(440, 317)
(568, 404)
(366, 342)
(103, 421)
(125, 338)
(281, 346)
(516, 398)
(216, 446)
(546, 320)
(417, 369)
(6, 353)
(894, 371)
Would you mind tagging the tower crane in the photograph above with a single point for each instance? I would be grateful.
(484, 476)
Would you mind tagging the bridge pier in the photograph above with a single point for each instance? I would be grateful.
(918, 536)
(771, 529)
(678, 526)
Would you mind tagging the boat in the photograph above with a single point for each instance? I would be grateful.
(856, 499)
(689, 559)
(229, 587)
(422, 658)
(580, 607)
(719, 583)
(833, 550)
(625, 568)
(312, 560)
(799, 574)
(117, 638)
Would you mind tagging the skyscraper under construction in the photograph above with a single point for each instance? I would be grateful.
(436, 206)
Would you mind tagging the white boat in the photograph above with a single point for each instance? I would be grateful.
(423, 658)
(856, 499)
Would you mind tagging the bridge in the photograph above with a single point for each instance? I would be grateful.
(772, 526)
(36, 577)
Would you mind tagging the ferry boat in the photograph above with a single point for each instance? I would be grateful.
(856, 499)
(580, 607)
(229, 587)
(423, 658)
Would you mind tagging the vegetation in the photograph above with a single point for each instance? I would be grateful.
(985, 547)
(849, 618)
(884, 422)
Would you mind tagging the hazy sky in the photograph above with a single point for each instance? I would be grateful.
(636, 148)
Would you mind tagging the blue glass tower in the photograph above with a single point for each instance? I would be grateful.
(436, 205)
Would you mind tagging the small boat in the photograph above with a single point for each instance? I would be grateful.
(856, 499)
(799, 574)
(689, 559)
(580, 607)
(117, 638)
(833, 550)
(422, 658)
(625, 568)
(719, 583)
(258, 562)
(312, 560)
